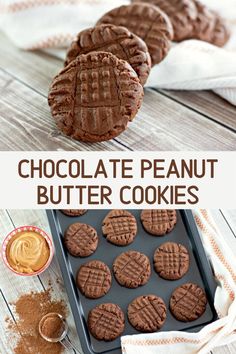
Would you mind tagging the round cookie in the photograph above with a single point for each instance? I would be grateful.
(147, 313)
(146, 21)
(119, 227)
(188, 302)
(116, 40)
(132, 269)
(73, 212)
(106, 322)
(181, 14)
(203, 25)
(221, 32)
(94, 279)
(158, 222)
(81, 240)
(171, 261)
(94, 97)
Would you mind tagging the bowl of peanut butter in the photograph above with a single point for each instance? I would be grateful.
(27, 251)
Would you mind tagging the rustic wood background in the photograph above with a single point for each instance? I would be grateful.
(168, 120)
(12, 286)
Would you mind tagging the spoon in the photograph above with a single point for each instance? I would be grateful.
(62, 339)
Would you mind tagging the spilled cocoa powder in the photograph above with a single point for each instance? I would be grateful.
(29, 309)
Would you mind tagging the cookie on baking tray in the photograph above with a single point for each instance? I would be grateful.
(158, 222)
(119, 227)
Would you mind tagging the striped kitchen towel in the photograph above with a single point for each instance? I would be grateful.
(218, 333)
(190, 65)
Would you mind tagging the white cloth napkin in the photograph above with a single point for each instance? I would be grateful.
(190, 65)
(220, 332)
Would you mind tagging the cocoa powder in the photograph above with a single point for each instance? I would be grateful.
(29, 309)
(52, 326)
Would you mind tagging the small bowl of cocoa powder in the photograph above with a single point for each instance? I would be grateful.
(53, 327)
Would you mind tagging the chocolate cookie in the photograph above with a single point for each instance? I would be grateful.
(132, 269)
(73, 212)
(94, 279)
(181, 14)
(171, 261)
(147, 313)
(106, 322)
(81, 240)
(209, 26)
(116, 40)
(203, 25)
(146, 21)
(188, 302)
(158, 222)
(221, 32)
(119, 227)
(95, 96)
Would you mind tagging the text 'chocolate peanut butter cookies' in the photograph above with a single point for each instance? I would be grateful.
(171, 261)
(158, 222)
(147, 313)
(188, 302)
(94, 279)
(119, 227)
(94, 97)
(116, 40)
(106, 322)
(132, 269)
(147, 22)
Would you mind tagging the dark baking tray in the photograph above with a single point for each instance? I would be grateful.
(185, 232)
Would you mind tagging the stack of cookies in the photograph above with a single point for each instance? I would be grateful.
(100, 89)
(132, 269)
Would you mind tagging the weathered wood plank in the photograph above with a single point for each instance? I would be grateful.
(11, 286)
(161, 124)
(207, 103)
(6, 344)
(34, 68)
(53, 275)
(229, 349)
(26, 123)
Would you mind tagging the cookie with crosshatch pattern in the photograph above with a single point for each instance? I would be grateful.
(180, 12)
(81, 240)
(94, 279)
(171, 261)
(132, 269)
(94, 97)
(147, 313)
(188, 302)
(74, 212)
(116, 40)
(106, 322)
(158, 222)
(147, 22)
(119, 227)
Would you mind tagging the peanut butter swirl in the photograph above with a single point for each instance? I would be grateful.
(27, 252)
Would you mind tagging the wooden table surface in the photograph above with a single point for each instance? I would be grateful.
(12, 286)
(168, 120)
